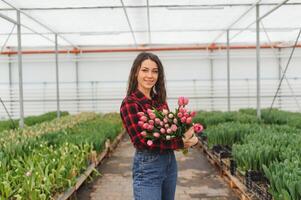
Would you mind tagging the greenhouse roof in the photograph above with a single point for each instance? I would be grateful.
(147, 22)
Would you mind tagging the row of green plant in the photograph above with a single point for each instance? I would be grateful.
(229, 133)
(208, 119)
(285, 179)
(42, 166)
(265, 146)
(17, 135)
(271, 146)
(30, 120)
(276, 116)
(249, 115)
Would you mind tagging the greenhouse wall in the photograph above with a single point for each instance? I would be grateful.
(102, 79)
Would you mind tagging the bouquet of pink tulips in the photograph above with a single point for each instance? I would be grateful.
(164, 125)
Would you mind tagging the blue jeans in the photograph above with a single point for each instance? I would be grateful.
(154, 175)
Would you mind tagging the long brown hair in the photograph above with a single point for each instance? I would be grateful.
(159, 87)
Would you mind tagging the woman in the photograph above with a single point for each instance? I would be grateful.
(154, 167)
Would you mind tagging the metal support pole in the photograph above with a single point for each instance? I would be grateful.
(10, 84)
(228, 72)
(211, 82)
(57, 78)
(279, 75)
(93, 96)
(195, 95)
(258, 61)
(77, 83)
(21, 122)
(44, 96)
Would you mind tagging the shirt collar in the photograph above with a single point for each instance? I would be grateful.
(137, 94)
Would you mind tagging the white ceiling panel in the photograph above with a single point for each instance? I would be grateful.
(179, 22)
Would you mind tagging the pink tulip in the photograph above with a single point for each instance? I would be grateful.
(140, 123)
(161, 123)
(143, 133)
(174, 128)
(180, 115)
(182, 110)
(186, 114)
(157, 120)
(162, 130)
(165, 112)
(140, 114)
(143, 118)
(192, 114)
(181, 101)
(175, 121)
(156, 134)
(198, 128)
(166, 125)
(170, 115)
(151, 122)
(186, 101)
(149, 143)
(145, 126)
(149, 111)
(152, 115)
(168, 131)
(150, 127)
(188, 120)
(165, 120)
(183, 119)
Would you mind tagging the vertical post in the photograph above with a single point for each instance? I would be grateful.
(77, 82)
(195, 95)
(248, 92)
(44, 96)
(279, 75)
(57, 78)
(93, 96)
(211, 81)
(258, 61)
(21, 122)
(10, 79)
(96, 96)
(228, 71)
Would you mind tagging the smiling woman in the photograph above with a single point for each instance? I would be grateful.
(146, 90)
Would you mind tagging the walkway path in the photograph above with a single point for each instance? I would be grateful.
(197, 179)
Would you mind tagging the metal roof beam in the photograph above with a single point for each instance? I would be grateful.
(263, 16)
(129, 23)
(271, 29)
(195, 6)
(235, 21)
(8, 19)
(41, 24)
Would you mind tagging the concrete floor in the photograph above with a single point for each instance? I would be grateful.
(197, 179)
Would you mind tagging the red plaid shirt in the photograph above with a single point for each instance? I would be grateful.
(138, 102)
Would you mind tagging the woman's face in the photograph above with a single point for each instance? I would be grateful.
(147, 75)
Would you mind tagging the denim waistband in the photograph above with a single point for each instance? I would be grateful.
(154, 151)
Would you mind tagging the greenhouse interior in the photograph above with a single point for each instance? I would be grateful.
(225, 108)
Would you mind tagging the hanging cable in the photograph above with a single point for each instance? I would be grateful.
(275, 54)
(12, 121)
(288, 62)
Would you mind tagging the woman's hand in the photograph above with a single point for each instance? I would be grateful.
(190, 141)
(189, 134)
